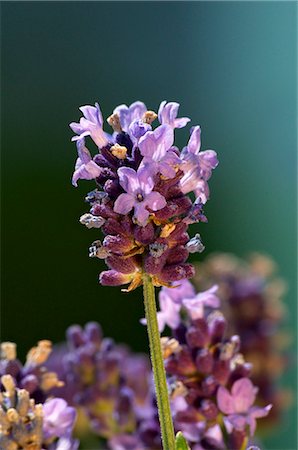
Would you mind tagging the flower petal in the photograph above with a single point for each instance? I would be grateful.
(124, 203)
(141, 213)
(225, 401)
(244, 395)
(155, 201)
(194, 143)
(128, 179)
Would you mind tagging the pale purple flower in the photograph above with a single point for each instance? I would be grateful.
(180, 290)
(155, 146)
(167, 114)
(90, 125)
(58, 418)
(197, 166)
(169, 313)
(85, 168)
(128, 114)
(195, 305)
(238, 406)
(139, 194)
(195, 245)
(138, 128)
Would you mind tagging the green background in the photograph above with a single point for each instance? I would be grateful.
(231, 65)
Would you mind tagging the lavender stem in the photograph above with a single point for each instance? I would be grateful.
(164, 411)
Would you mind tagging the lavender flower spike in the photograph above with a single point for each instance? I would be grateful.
(238, 406)
(139, 194)
(90, 125)
(167, 114)
(155, 146)
(85, 168)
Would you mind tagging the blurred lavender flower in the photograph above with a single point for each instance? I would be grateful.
(201, 365)
(30, 426)
(58, 418)
(252, 300)
(238, 406)
(143, 210)
(111, 386)
(33, 376)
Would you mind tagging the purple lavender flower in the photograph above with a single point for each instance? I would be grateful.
(167, 114)
(143, 211)
(251, 295)
(195, 305)
(238, 406)
(112, 386)
(85, 168)
(197, 166)
(58, 419)
(129, 114)
(139, 194)
(155, 146)
(90, 125)
(169, 313)
(25, 424)
(201, 365)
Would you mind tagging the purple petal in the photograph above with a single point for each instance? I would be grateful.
(155, 201)
(244, 394)
(182, 289)
(167, 114)
(169, 311)
(92, 113)
(180, 123)
(146, 182)
(194, 143)
(58, 418)
(225, 401)
(194, 308)
(83, 152)
(141, 213)
(255, 413)
(238, 421)
(128, 179)
(129, 114)
(124, 203)
(154, 144)
(87, 171)
(209, 298)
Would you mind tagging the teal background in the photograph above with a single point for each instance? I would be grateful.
(231, 65)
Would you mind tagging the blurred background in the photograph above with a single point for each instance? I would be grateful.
(231, 66)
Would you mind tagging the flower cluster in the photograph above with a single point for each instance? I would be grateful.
(33, 376)
(212, 394)
(111, 386)
(141, 202)
(251, 296)
(29, 418)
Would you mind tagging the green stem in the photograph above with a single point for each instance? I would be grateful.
(164, 411)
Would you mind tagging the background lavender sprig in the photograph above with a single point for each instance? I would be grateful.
(30, 417)
(252, 298)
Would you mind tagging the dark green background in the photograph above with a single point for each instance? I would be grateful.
(231, 65)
